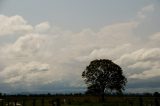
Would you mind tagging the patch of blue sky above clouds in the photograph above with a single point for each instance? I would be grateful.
(45, 45)
(74, 14)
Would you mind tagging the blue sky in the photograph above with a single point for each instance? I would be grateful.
(45, 45)
(75, 14)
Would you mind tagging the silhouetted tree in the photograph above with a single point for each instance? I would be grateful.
(102, 76)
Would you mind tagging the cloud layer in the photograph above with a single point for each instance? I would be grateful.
(46, 55)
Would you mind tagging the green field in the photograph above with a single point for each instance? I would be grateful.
(78, 101)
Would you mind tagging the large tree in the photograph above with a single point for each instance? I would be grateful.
(102, 76)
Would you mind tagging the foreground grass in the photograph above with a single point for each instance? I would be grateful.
(80, 101)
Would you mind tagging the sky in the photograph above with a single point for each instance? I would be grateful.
(45, 45)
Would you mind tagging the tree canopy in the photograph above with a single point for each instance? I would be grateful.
(102, 76)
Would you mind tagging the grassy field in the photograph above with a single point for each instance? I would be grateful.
(78, 101)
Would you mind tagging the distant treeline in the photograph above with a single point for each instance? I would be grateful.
(156, 94)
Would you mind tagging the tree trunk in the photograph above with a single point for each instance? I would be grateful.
(103, 97)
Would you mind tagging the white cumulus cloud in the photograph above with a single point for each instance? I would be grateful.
(147, 9)
(42, 27)
(13, 24)
(25, 73)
